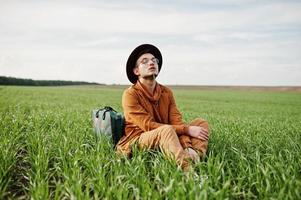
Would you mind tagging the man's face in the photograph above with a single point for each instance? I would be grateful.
(146, 66)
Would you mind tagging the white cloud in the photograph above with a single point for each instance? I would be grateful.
(233, 42)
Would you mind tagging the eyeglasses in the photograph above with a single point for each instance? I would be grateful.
(146, 60)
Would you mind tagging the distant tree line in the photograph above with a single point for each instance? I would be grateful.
(29, 82)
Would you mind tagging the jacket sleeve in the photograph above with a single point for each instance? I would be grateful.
(175, 117)
(136, 114)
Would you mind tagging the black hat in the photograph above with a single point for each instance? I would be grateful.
(138, 51)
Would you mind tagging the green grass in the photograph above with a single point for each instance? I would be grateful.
(48, 150)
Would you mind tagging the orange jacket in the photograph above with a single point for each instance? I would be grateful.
(145, 112)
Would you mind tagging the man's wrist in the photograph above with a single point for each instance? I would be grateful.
(186, 129)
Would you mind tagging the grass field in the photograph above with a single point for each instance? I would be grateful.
(48, 150)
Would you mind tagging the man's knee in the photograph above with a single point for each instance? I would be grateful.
(200, 122)
(167, 128)
(167, 131)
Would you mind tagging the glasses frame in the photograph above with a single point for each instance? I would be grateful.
(144, 61)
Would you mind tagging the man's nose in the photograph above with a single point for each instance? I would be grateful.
(151, 62)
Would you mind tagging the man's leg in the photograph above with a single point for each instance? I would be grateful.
(185, 141)
(167, 140)
(197, 144)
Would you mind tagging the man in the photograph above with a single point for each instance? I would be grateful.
(151, 115)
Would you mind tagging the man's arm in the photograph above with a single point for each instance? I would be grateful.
(176, 120)
(136, 114)
(175, 117)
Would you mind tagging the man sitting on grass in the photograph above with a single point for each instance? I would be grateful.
(151, 115)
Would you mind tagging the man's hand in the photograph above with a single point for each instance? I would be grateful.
(198, 132)
(193, 154)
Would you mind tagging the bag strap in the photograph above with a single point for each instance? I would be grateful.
(107, 109)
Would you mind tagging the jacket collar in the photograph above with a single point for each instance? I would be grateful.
(154, 98)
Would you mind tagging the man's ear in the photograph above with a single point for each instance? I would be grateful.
(136, 71)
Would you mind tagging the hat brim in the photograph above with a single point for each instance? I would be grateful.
(137, 52)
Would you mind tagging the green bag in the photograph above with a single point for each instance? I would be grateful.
(109, 122)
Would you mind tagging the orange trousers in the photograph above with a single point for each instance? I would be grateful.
(171, 145)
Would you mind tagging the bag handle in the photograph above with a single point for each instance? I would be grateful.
(106, 108)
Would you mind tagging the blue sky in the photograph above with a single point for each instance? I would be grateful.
(209, 42)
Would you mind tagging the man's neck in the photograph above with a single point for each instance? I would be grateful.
(150, 84)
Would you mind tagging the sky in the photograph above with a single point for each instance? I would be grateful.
(203, 42)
